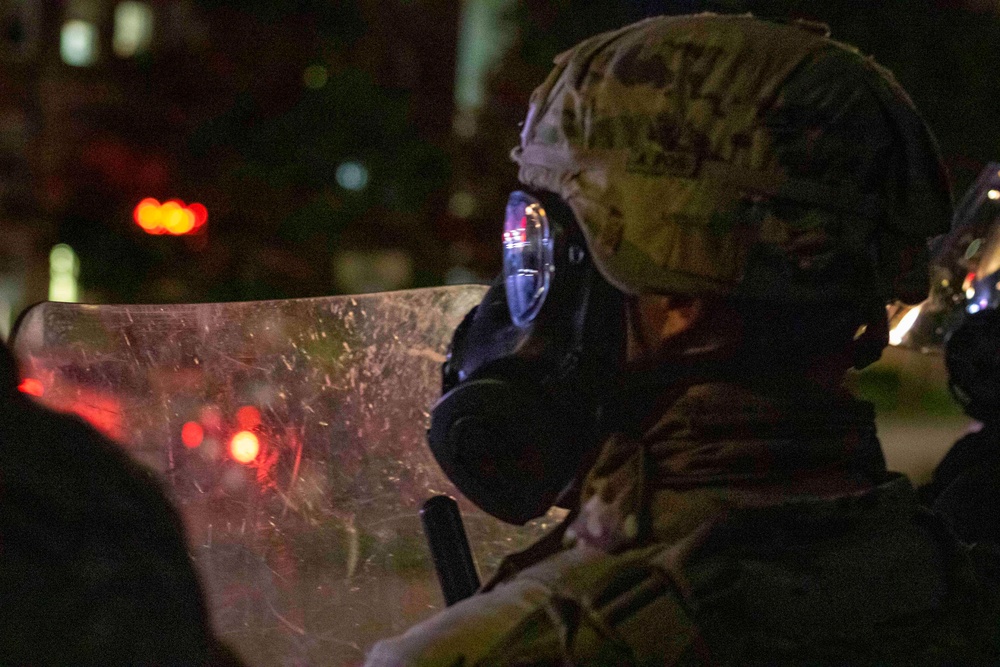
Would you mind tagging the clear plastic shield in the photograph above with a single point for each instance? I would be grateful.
(291, 435)
(965, 269)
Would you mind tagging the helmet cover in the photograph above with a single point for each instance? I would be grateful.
(726, 155)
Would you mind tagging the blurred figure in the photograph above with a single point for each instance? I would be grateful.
(715, 212)
(93, 564)
(965, 486)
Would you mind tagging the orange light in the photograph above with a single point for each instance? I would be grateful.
(248, 417)
(192, 434)
(175, 218)
(170, 217)
(244, 447)
(32, 387)
(147, 214)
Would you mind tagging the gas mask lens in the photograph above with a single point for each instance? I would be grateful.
(527, 257)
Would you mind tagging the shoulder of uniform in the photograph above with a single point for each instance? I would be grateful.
(576, 607)
(599, 609)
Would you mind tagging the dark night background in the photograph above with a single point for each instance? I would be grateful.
(252, 107)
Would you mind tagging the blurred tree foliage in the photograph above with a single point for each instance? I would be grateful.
(281, 179)
(232, 123)
(281, 157)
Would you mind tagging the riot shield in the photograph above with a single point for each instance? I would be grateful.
(965, 270)
(291, 435)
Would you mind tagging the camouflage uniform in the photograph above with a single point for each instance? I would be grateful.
(746, 521)
(742, 528)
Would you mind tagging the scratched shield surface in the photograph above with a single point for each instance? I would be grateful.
(291, 435)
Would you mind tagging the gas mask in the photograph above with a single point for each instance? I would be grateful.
(529, 369)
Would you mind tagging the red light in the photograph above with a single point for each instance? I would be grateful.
(192, 434)
(200, 214)
(248, 417)
(32, 387)
(244, 447)
(171, 217)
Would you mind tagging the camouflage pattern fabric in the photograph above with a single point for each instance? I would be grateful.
(739, 529)
(723, 154)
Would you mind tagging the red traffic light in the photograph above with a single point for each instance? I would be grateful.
(172, 217)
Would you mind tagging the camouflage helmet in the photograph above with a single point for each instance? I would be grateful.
(726, 155)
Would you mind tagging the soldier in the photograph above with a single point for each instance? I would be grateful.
(716, 211)
(965, 486)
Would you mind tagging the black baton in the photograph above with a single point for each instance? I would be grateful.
(445, 533)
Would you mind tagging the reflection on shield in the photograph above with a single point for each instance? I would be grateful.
(965, 270)
(291, 434)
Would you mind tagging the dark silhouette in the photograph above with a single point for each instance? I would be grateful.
(93, 564)
(965, 486)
